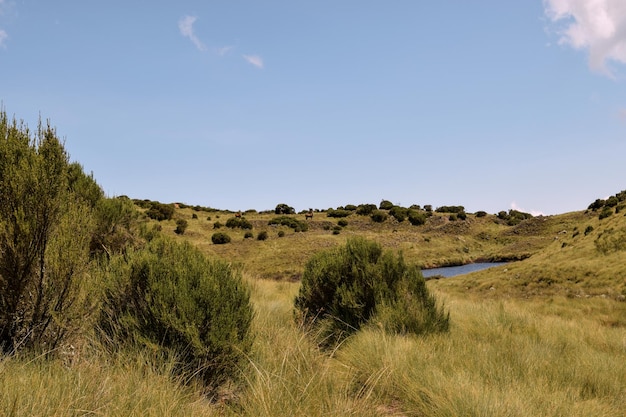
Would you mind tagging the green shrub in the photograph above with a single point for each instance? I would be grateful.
(606, 212)
(220, 238)
(365, 209)
(385, 205)
(378, 216)
(416, 218)
(295, 224)
(248, 235)
(588, 230)
(481, 213)
(284, 209)
(281, 233)
(160, 212)
(217, 225)
(450, 209)
(241, 223)
(338, 213)
(181, 226)
(169, 298)
(194, 216)
(262, 235)
(342, 223)
(399, 213)
(348, 287)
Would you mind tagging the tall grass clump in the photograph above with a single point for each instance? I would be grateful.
(357, 284)
(172, 300)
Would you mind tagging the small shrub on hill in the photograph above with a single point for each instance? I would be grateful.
(241, 223)
(342, 223)
(379, 216)
(220, 238)
(248, 235)
(181, 226)
(416, 218)
(385, 205)
(365, 209)
(606, 212)
(481, 213)
(284, 209)
(217, 225)
(169, 298)
(160, 212)
(450, 209)
(338, 213)
(399, 213)
(351, 286)
(295, 224)
(262, 235)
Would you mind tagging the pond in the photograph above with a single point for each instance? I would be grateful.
(451, 271)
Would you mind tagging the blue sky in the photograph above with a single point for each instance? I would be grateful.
(241, 105)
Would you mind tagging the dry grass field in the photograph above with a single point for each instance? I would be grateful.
(542, 336)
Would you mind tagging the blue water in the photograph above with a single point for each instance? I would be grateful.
(451, 271)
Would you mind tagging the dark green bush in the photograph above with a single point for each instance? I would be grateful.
(588, 230)
(220, 238)
(169, 298)
(385, 205)
(416, 218)
(450, 209)
(481, 213)
(342, 222)
(262, 235)
(248, 235)
(606, 212)
(281, 233)
(284, 209)
(378, 216)
(295, 224)
(194, 216)
(365, 209)
(241, 223)
(399, 213)
(338, 213)
(217, 225)
(160, 212)
(350, 207)
(181, 226)
(348, 287)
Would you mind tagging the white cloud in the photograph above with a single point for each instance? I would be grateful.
(255, 60)
(185, 25)
(224, 50)
(598, 26)
(3, 37)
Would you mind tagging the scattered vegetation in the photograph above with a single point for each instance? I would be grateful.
(220, 238)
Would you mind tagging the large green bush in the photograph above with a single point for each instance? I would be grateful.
(295, 224)
(358, 284)
(46, 225)
(169, 298)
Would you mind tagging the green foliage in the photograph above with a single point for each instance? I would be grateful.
(194, 216)
(350, 207)
(606, 212)
(160, 212)
(450, 209)
(262, 235)
(342, 222)
(116, 226)
(385, 205)
(345, 288)
(248, 235)
(338, 213)
(169, 298)
(181, 226)
(217, 225)
(399, 213)
(281, 233)
(416, 218)
(240, 222)
(284, 209)
(379, 216)
(295, 224)
(220, 238)
(46, 224)
(481, 213)
(365, 209)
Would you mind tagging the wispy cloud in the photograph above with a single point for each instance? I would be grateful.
(255, 60)
(224, 50)
(185, 25)
(598, 26)
(3, 38)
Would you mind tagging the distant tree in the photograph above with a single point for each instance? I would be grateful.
(284, 209)
(385, 205)
(365, 209)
